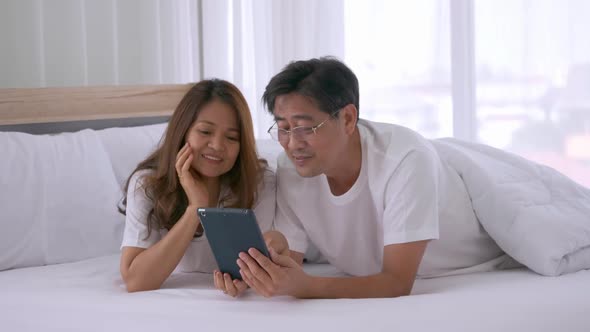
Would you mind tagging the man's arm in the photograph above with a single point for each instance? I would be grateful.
(400, 265)
(286, 277)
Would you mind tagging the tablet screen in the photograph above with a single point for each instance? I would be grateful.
(229, 232)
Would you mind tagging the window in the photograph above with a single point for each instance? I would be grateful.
(400, 53)
(530, 62)
(533, 81)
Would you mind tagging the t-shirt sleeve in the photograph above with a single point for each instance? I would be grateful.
(411, 199)
(286, 220)
(138, 208)
(265, 206)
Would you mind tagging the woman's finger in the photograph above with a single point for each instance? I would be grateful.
(181, 151)
(220, 282)
(184, 170)
(187, 164)
(181, 157)
(217, 279)
(183, 165)
(240, 285)
(230, 288)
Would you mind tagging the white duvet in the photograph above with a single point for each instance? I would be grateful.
(536, 215)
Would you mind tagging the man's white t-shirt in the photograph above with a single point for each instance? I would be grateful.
(198, 256)
(404, 193)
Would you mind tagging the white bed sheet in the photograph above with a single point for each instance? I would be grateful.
(90, 296)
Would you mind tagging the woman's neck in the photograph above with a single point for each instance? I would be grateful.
(213, 188)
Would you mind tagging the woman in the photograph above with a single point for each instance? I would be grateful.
(207, 159)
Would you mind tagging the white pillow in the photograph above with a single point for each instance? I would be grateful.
(59, 194)
(58, 198)
(127, 147)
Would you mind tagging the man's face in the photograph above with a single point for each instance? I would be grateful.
(313, 153)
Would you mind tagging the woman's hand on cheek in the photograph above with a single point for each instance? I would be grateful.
(190, 180)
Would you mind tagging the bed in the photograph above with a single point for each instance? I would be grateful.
(60, 237)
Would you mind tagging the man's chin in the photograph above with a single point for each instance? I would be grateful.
(306, 172)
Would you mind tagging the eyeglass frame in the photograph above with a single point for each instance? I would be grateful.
(289, 132)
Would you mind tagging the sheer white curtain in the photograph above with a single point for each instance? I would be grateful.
(98, 42)
(400, 51)
(109, 42)
(514, 74)
(247, 42)
(533, 80)
(511, 73)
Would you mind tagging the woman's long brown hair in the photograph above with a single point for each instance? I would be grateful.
(162, 185)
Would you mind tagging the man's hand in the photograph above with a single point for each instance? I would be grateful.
(281, 276)
(230, 287)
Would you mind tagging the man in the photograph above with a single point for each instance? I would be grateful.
(380, 202)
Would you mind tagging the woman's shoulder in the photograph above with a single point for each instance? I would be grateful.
(267, 183)
(268, 177)
(138, 202)
(264, 207)
(137, 179)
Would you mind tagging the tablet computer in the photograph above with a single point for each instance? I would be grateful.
(229, 232)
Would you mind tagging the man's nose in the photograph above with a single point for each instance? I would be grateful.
(294, 143)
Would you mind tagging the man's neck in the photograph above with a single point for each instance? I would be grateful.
(348, 167)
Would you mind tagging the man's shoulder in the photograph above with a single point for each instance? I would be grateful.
(390, 142)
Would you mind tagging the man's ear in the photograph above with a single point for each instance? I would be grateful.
(349, 115)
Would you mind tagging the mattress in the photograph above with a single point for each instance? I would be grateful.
(90, 296)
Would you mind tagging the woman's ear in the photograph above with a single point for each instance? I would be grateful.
(349, 116)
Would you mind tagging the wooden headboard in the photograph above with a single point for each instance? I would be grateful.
(25, 108)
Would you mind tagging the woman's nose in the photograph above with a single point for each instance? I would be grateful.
(217, 142)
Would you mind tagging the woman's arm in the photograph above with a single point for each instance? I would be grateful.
(146, 269)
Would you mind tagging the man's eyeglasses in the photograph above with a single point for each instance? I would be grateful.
(301, 133)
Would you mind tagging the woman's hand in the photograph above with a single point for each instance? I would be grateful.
(277, 241)
(224, 283)
(190, 180)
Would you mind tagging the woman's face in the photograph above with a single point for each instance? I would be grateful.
(214, 138)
